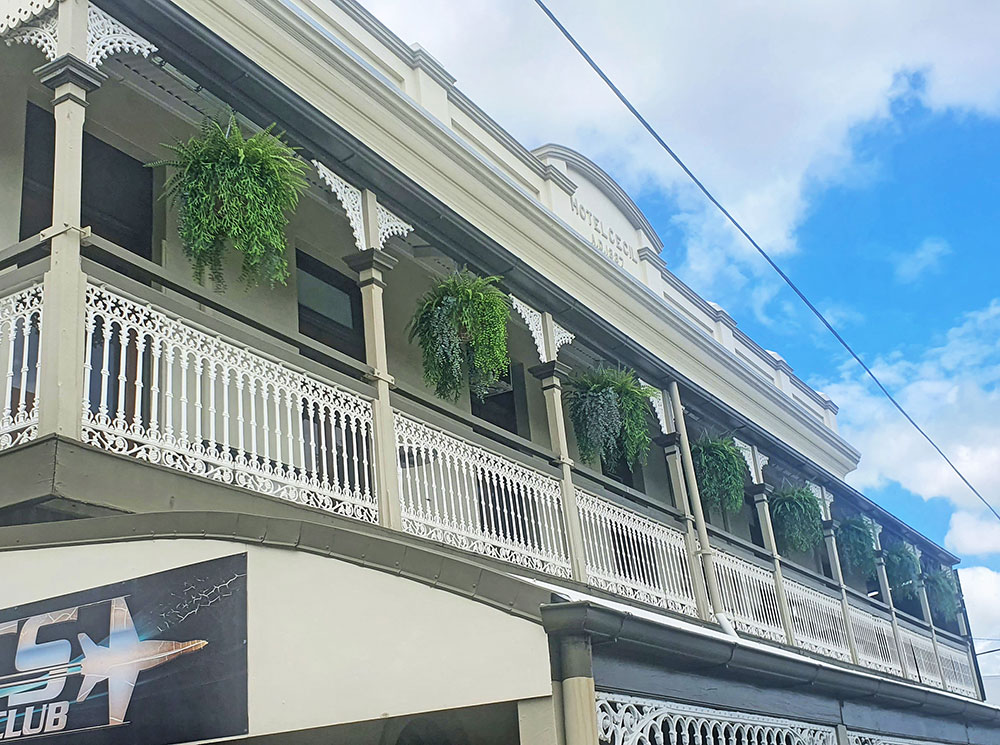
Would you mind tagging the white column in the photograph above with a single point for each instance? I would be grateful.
(61, 379)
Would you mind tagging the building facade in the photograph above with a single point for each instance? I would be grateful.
(243, 514)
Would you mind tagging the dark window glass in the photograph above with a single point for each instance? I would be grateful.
(506, 405)
(329, 307)
(117, 200)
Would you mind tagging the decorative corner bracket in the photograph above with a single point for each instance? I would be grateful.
(533, 320)
(37, 24)
(350, 199)
(389, 225)
(755, 459)
(656, 401)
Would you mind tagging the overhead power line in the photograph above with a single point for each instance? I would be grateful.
(704, 190)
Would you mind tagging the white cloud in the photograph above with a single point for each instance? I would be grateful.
(953, 391)
(974, 534)
(926, 258)
(761, 99)
(981, 588)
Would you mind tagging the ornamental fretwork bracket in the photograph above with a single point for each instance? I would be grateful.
(36, 23)
(533, 320)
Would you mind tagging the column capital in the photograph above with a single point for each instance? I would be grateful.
(70, 69)
(553, 369)
(760, 492)
(374, 261)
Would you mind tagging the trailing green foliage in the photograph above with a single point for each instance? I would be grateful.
(856, 545)
(461, 327)
(797, 519)
(721, 472)
(234, 190)
(609, 409)
(942, 593)
(902, 569)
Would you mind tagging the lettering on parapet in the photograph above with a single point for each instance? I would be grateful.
(603, 237)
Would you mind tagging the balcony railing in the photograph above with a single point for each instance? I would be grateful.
(749, 596)
(20, 324)
(635, 557)
(161, 388)
(466, 496)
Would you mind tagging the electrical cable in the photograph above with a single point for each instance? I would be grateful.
(649, 128)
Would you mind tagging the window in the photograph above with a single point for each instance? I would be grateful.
(329, 307)
(117, 199)
(506, 405)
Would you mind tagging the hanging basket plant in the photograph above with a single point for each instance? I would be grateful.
(942, 593)
(461, 327)
(721, 472)
(902, 569)
(234, 191)
(797, 519)
(610, 409)
(856, 546)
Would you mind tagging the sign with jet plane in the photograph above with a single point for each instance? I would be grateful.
(156, 660)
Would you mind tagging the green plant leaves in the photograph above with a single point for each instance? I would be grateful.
(902, 569)
(942, 593)
(856, 545)
(609, 409)
(797, 519)
(721, 472)
(234, 190)
(461, 327)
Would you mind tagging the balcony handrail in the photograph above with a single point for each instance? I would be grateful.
(95, 245)
(627, 496)
(443, 416)
(809, 577)
(744, 549)
(15, 280)
(28, 248)
(229, 326)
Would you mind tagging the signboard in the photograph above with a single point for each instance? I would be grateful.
(154, 660)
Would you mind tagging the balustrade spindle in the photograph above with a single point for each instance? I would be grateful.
(20, 325)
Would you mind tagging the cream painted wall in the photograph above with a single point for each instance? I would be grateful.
(328, 642)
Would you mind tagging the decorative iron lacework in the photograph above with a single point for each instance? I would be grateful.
(533, 320)
(861, 738)
(17, 12)
(158, 389)
(465, 496)
(20, 327)
(635, 557)
(350, 200)
(656, 401)
(106, 36)
(40, 32)
(627, 720)
(389, 225)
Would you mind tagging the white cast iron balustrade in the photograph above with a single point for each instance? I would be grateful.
(20, 325)
(921, 662)
(876, 645)
(160, 390)
(818, 621)
(466, 496)
(749, 597)
(628, 720)
(957, 671)
(635, 557)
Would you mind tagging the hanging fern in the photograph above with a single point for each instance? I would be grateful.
(461, 327)
(721, 472)
(856, 545)
(609, 409)
(797, 519)
(942, 593)
(237, 190)
(902, 569)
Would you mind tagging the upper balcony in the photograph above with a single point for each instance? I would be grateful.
(311, 394)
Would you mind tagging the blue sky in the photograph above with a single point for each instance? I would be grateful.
(857, 142)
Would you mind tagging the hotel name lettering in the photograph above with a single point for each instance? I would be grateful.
(603, 237)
